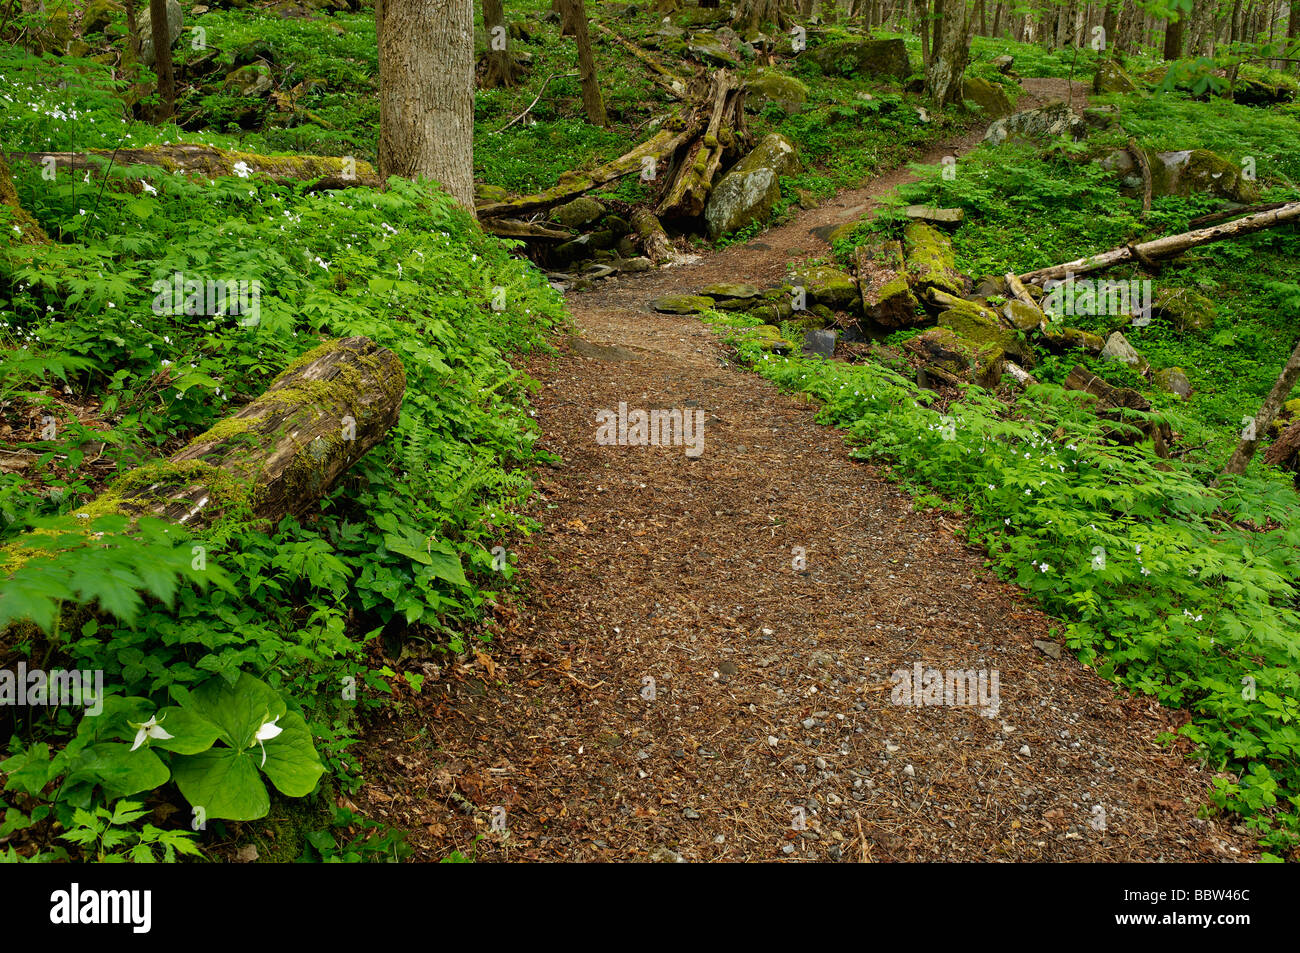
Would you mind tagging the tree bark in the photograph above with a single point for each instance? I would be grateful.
(426, 92)
(162, 63)
(653, 237)
(1169, 246)
(501, 70)
(592, 101)
(1174, 37)
(1272, 404)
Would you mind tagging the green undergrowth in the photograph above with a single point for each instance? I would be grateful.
(397, 559)
(1165, 586)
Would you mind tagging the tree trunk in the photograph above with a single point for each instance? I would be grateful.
(923, 30)
(1110, 25)
(950, 54)
(426, 92)
(501, 71)
(1174, 38)
(282, 452)
(1272, 404)
(592, 102)
(752, 14)
(162, 64)
(1293, 31)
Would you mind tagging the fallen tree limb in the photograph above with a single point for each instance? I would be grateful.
(279, 454)
(1213, 217)
(1168, 247)
(513, 228)
(724, 133)
(663, 77)
(329, 172)
(658, 149)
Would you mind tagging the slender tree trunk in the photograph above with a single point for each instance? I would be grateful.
(426, 92)
(500, 60)
(1110, 25)
(1174, 38)
(1293, 32)
(162, 60)
(923, 30)
(1272, 404)
(592, 102)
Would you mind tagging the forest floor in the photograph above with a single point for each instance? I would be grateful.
(770, 732)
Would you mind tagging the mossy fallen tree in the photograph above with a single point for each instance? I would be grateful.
(279, 454)
(724, 135)
(323, 172)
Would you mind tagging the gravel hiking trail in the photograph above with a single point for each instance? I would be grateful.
(767, 731)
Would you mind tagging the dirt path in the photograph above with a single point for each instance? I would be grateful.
(770, 732)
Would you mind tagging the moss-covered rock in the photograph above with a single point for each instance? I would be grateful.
(1187, 310)
(981, 326)
(1073, 339)
(730, 290)
(862, 57)
(990, 97)
(929, 259)
(750, 189)
(1173, 380)
(581, 211)
(827, 285)
(1199, 171)
(944, 348)
(99, 14)
(484, 193)
(1022, 316)
(1119, 349)
(144, 28)
(1111, 78)
(1046, 122)
(771, 87)
(887, 298)
(682, 304)
(770, 339)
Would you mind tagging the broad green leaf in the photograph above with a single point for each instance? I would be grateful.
(292, 763)
(224, 783)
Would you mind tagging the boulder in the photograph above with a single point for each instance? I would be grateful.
(581, 211)
(1185, 172)
(990, 97)
(934, 216)
(709, 50)
(785, 91)
(887, 297)
(682, 304)
(251, 80)
(1187, 310)
(1003, 64)
(819, 344)
(827, 285)
(730, 291)
(1173, 380)
(1021, 316)
(980, 326)
(1046, 122)
(1111, 78)
(948, 351)
(144, 28)
(1120, 350)
(930, 261)
(769, 338)
(98, 15)
(862, 57)
(1253, 92)
(1072, 339)
(749, 190)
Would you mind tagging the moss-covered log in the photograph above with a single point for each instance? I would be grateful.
(653, 237)
(647, 158)
(325, 172)
(279, 454)
(724, 134)
(23, 226)
(1112, 404)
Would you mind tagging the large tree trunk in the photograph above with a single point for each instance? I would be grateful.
(282, 452)
(1110, 25)
(1174, 38)
(1268, 410)
(426, 92)
(752, 14)
(950, 55)
(1167, 247)
(592, 102)
(162, 63)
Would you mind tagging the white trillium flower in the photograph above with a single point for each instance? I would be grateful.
(150, 729)
(241, 169)
(148, 188)
(264, 734)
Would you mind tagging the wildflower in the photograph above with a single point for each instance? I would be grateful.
(149, 729)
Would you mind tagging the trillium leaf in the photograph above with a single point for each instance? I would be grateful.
(190, 731)
(292, 763)
(119, 770)
(224, 783)
(236, 710)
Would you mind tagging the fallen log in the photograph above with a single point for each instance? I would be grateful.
(1112, 402)
(1168, 247)
(323, 172)
(653, 237)
(513, 228)
(279, 454)
(663, 77)
(26, 227)
(647, 158)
